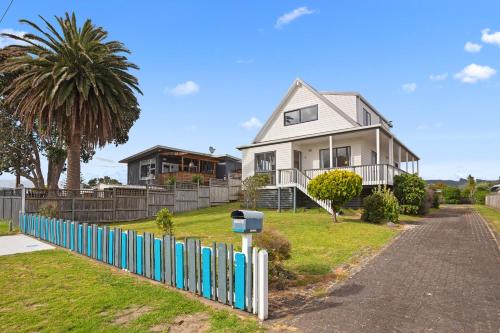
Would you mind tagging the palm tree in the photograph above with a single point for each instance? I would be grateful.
(74, 82)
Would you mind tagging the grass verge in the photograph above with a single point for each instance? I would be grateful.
(4, 228)
(57, 291)
(491, 215)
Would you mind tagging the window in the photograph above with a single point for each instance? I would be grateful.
(341, 157)
(147, 169)
(297, 159)
(367, 117)
(303, 115)
(374, 157)
(265, 161)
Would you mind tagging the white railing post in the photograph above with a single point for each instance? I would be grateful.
(263, 285)
(255, 291)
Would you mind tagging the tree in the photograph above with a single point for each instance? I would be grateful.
(471, 186)
(75, 82)
(251, 186)
(337, 186)
(103, 180)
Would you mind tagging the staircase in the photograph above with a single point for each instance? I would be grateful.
(295, 178)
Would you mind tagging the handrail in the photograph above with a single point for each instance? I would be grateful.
(372, 174)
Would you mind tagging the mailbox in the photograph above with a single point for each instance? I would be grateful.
(247, 221)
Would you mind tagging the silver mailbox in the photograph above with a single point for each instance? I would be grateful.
(247, 221)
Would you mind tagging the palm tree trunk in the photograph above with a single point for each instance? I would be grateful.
(74, 150)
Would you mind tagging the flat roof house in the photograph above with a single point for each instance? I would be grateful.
(159, 164)
(311, 132)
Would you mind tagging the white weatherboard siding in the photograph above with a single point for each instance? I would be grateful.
(346, 103)
(283, 157)
(328, 119)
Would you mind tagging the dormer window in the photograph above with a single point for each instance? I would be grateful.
(367, 118)
(302, 115)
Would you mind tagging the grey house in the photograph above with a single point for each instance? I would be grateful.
(160, 164)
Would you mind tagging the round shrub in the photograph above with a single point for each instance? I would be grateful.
(480, 196)
(381, 206)
(435, 200)
(409, 189)
(426, 204)
(338, 186)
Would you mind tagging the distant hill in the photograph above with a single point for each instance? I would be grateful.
(459, 183)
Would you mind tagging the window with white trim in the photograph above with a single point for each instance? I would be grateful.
(302, 115)
(147, 169)
(367, 117)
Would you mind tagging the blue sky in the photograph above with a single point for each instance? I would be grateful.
(209, 67)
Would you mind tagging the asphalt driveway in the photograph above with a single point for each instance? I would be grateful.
(441, 276)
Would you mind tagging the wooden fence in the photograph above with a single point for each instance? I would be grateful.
(493, 200)
(215, 272)
(117, 203)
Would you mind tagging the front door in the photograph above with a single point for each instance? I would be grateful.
(297, 160)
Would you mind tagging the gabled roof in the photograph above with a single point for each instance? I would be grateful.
(298, 83)
(160, 148)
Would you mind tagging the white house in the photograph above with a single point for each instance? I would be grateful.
(311, 132)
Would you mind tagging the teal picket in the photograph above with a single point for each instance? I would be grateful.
(179, 265)
(206, 274)
(89, 240)
(157, 258)
(111, 243)
(239, 280)
(140, 253)
(99, 243)
(124, 250)
(72, 236)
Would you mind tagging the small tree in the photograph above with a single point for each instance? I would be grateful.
(338, 186)
(251, 186)
(451, 195)
(164, 221)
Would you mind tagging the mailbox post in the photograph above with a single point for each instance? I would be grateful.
(247, 223)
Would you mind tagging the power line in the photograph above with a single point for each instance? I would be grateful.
(6, 10)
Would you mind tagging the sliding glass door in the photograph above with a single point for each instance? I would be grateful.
(341, 157)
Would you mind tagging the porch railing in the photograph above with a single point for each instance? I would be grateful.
(376, 174)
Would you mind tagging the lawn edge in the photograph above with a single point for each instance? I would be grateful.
(493, 233)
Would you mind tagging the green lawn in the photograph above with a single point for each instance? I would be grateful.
(491, 215)
(57, 291)
(318, 245)
(4, 228)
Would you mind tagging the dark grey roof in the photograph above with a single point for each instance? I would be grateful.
(160, 148)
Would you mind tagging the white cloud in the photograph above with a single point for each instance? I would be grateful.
(472, 47)
(490, 38)
(409, 87)
(438, 77)
(251, 123)
(245, 61)
(183, 89)
(473, 73)
(291, 16)
(5, 41)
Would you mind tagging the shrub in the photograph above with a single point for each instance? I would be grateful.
(427, 203)
(279, 249)
(435, 200)
(164, 221)
(251, 186)
(49, 209)
(381, 206)
(410, 191)
(338, 186)
(480, 196)
(451, 195)
(198, 179)
(170, 180)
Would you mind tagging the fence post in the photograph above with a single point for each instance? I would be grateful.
(147, 200)
(175, 197)
(263, 285)
(114, 203)
(73, 206)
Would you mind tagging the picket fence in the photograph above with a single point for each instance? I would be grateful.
(217, 273)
